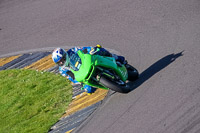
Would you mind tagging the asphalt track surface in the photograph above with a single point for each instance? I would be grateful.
(161, 38)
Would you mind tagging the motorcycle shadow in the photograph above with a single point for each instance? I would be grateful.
(154, 68)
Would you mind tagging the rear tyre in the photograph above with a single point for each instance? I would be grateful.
(133, 73)
(113, 85)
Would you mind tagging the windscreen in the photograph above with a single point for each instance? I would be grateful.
(75, 62)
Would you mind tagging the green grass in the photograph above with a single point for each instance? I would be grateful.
(32, 101)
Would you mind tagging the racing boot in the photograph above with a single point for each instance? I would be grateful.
(88, 89)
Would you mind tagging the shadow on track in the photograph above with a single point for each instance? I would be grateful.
(156, 67)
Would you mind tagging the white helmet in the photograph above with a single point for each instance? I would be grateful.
(59, 56)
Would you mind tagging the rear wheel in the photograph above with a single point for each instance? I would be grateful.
(118, 86)
(133, 73)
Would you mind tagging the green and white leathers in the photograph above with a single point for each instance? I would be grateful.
(100, 72)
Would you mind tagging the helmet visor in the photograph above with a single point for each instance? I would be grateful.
(62, 61)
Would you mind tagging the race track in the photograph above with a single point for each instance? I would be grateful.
(161, 38)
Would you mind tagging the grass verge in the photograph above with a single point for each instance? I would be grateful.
(32, 101)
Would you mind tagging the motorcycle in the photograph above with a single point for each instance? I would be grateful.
(102, 72)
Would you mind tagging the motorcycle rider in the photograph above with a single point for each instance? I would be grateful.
(62, 57)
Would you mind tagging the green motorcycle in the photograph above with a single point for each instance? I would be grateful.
(102, 72)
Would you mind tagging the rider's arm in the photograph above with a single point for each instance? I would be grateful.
(67, 73)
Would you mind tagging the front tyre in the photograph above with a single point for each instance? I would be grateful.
(115, 86)
(133, 73)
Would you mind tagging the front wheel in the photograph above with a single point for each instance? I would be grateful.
(115, 85)
(133, 73)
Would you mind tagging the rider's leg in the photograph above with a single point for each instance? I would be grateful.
(104, 52)
(119, 58)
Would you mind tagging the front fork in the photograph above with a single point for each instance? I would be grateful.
(106, 73)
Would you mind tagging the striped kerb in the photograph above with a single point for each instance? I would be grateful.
(83, 100)
(42, 64)
(5, 60)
